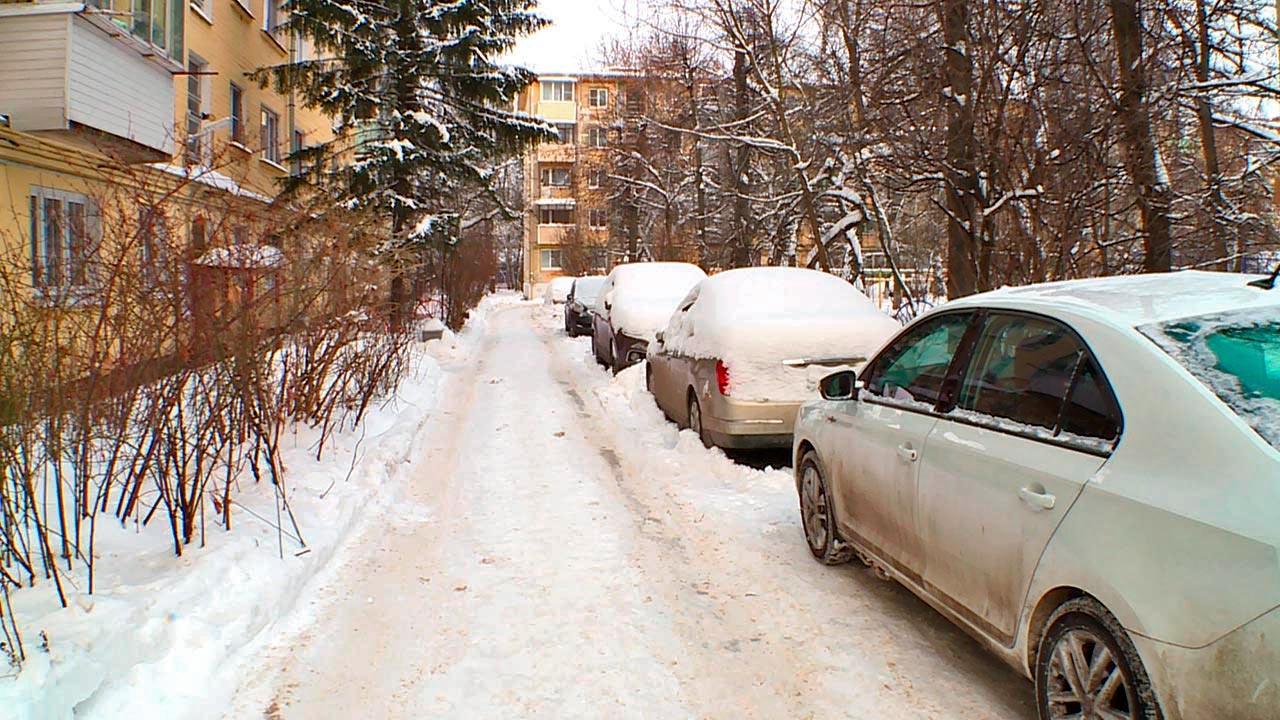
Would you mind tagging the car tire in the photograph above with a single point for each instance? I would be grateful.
(1082, 629)
(817, 516)
(695, 421)
(595, 349)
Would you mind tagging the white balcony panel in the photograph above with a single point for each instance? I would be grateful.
(115, 89)
(60, 68)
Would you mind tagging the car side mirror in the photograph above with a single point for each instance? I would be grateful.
(608, 300)
(843, 385)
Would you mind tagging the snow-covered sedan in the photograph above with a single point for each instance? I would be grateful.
(635, 302)
(558, 290)
(747, 346)
(1086, 476)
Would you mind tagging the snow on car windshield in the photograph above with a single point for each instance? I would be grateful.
(645, 295)
(1237, 356)
(587, 288)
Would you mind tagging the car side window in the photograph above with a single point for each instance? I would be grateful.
(914, 367)
(1035, 372)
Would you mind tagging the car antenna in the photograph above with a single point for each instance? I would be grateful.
(1268, 283)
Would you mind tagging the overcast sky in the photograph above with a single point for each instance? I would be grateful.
(570, 44)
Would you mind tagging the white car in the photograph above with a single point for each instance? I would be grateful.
(558, 290)
(747, 346)
(634, 303)
(1084, 475)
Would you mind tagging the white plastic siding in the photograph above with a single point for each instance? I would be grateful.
(33, 82)
(116, 90)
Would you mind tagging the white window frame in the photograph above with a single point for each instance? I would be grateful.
(236, 113)
(203, 8)
(553, 173)
(598, 136)
(270, 17)
(544, 259)
(598, 97)
(598, 218)
(269, 135)
(596, 178)
(43, 280)
(558, 91)
(197, 150)
(573, 131)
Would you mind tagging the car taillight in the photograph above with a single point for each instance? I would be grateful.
(722, 377)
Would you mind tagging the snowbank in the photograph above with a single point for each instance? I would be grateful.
(161, 635)
(645, 294)
(754, 319)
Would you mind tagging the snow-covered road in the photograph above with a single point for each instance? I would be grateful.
(560, 551)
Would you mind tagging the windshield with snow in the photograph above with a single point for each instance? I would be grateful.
(1237, 355)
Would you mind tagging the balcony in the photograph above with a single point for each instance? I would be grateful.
(554, 234)
(73, 73)
(557, 153)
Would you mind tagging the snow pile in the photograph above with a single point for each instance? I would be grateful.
(754, 319)
(162, 634)
(643, 295)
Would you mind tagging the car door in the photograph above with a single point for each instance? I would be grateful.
(601, 332)
(1034, 420)
(879, 436)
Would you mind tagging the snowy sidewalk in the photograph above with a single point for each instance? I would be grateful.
(560, 551)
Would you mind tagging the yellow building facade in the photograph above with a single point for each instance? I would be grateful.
(119, 98)
(567, 215)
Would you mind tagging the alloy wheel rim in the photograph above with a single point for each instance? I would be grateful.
(814, 508)
(1085, 680)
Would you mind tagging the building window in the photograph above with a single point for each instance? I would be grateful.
(204, 8)
(270, 15)
(198, 238)
(555, 177)
(596, 178)
(155, 22)
(557, 91)
(270, 135)
(237, 114)
(549, 259)
(598, 137)
(598, 97)
(61, 242)
(295, 151)
(568, 132)
(598, 217)
(153, 245)
(555, 216)
(197, 70)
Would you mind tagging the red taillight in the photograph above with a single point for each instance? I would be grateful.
(722, 377)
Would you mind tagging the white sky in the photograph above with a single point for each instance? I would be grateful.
(571, 42)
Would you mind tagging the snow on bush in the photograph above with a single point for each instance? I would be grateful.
(643, 295)
(754, 319)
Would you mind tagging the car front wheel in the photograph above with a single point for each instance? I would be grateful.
(1087, 667)
(695, 421)
(817, 515)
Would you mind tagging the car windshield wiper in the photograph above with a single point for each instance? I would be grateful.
(1268, 283)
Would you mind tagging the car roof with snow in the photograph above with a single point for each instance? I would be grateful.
(1133, 300)
(763, 292)
(650, 270)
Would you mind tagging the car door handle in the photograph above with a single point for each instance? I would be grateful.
(1038, 500)
(908, 453)
(829, 418)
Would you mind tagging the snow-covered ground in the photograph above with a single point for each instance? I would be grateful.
(539, 542)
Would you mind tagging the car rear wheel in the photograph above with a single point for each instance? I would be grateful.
(1087, 667)
(616, 363)
(817, 515)
(695, 421)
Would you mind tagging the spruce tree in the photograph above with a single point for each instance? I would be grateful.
(424, 111)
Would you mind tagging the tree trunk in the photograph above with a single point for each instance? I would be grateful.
(1215, 203)
(1141, 161)
(740, 164)
(963, 235)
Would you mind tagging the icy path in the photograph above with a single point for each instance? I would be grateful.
(560, 551)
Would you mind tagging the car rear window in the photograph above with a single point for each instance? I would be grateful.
(1237, 356)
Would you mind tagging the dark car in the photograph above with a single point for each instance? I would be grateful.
(577, 309)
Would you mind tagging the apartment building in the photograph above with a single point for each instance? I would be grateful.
(568, 218)
(102, 95)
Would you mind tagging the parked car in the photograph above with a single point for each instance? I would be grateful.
(1084, 475)
(558, 289)
(636, 301)
(577, 307)
(746, 347)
